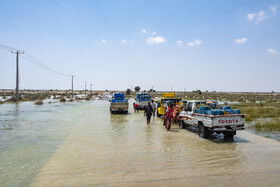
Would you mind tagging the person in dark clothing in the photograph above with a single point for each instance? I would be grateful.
(148, 112)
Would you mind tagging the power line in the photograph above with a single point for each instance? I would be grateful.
(79, 80)
(29, 58)
(33, 60)
(4, 47)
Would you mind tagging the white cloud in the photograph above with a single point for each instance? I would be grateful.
(257, 17)
(154, 33)
(155, 40)
(123, 41)
(251, 16)
(240, 40)
(197, 42)
(260, 16)
(272, 51)
(194, 43)
(191, 44)
(273, 9)
(179, 43)
(104, 41)
(144, 31)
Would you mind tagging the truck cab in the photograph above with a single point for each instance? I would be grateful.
(167, 98)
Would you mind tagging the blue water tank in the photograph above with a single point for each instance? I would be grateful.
(226, 107)
(203, 109)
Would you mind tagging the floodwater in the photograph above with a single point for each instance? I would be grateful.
(82, 144)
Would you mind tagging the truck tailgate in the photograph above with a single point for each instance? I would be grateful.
(119, 105)
(228, 120)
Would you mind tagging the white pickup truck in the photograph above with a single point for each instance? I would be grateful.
(207, 124)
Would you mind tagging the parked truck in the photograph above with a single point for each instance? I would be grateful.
(209, 120)
(119, 104)
(167, 97)
(142, 100)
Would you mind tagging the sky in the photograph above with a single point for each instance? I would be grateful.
(215, 45)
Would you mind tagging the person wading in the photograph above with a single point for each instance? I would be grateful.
(154, 106)
(148, 112)
(169, 116)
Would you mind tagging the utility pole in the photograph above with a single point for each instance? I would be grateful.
(17, 94)
(85, 88)
(91, 88)
(17, 74)
(171, 88)
(72, 85)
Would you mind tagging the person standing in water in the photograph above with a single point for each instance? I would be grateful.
(169, 116)
(148, 111)
(165, 115)
(154, 106)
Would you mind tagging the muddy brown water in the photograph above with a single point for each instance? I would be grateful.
(82, 144)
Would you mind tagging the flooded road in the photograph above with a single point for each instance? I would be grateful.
(82, 144)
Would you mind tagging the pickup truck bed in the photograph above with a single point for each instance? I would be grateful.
(208, 124)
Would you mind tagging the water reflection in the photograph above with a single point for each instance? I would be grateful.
(16, 110)
(119, 125)
(10, 117)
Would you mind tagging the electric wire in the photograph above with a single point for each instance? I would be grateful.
(4, 47)
(33, 60)
(29, 58)
(79, 80)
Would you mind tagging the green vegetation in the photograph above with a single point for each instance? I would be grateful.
(128, 91)
(137, 88)
(272, 125)
(254, 111)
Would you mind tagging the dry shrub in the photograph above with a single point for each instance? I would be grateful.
(62, 100)
(40, 102)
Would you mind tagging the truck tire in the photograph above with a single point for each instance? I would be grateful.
(182, 124)
(202, 131)
(228, 135)
(158, 115)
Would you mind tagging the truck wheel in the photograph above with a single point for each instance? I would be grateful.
(158, 115)
(182, 124)
(228, 135)
(202, 131)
